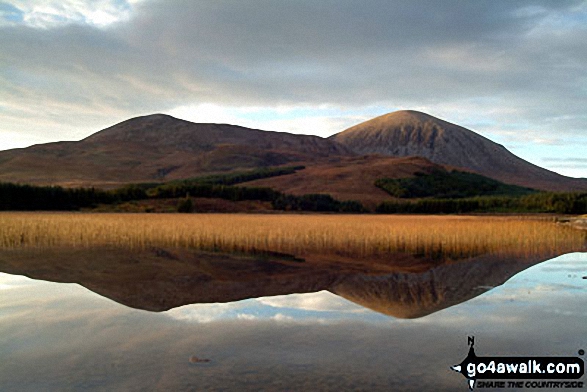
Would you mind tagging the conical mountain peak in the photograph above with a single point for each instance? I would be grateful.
(405, 122)
(407, 116)
(411, 133)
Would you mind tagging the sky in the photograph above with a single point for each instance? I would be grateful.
(515, 72)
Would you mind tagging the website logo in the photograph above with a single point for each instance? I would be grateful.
(510, 370)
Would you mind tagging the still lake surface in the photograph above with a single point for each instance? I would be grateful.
(276, 330)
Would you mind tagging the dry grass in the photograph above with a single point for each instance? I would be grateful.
(300, 235)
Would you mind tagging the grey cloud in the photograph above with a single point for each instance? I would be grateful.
(566, 163)
(320, 29)
(566, 160)
(347, 53)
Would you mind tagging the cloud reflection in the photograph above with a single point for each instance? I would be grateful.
(67, 338)
(322, 301)
(322, 306)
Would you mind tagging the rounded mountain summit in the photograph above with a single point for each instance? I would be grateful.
(159, 148)
(411, 133)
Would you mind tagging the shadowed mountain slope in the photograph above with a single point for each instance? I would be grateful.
(158, 148)
(157, 279)
(411, 133)
(414, 295)
(351, 178)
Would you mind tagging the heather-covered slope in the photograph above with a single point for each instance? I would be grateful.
(348, 178)
(158, 148)
(411, 133)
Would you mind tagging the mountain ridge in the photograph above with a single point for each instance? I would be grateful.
(411, 133)
(160, 147)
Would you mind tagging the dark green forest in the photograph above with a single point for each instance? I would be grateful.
(544, 202)
(232, 178)
(240, 177)
(54, 198)
(456, 192)
(443, 184)
(19, 197)
(488, 195)
(316, 202)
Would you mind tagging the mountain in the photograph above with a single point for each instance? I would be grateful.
(410, 133)
(349, 178)
(157, 279)
(158, 148)
(415, 295)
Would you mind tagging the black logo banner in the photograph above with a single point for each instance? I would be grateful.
(520, 368)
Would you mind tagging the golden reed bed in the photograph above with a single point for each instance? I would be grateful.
(345, 235)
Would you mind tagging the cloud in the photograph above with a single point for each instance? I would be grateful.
(52, 13)
(246, 316)
(75, 67)
(282, 318)
(207, 313)
(567, 160)
(322, 301)
(8, 281)
(320, 120)
(320, 307)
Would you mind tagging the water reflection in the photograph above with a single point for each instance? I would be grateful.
(158, 279)
(272, 321)
(63, 337)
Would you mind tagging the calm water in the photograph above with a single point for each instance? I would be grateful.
(347, 331)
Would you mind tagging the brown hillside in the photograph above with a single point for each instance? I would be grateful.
(159, 148)
(411, 133)
(417, 295)
(158, 279)
(350, 178)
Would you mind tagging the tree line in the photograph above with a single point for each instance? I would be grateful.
(240, 177)
(316, 202)
(55, 198)
(21, 197)
(443, 184)
(544, 202)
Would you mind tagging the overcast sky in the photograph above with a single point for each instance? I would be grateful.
(513, 71)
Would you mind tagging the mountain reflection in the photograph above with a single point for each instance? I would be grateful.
(158, 279)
